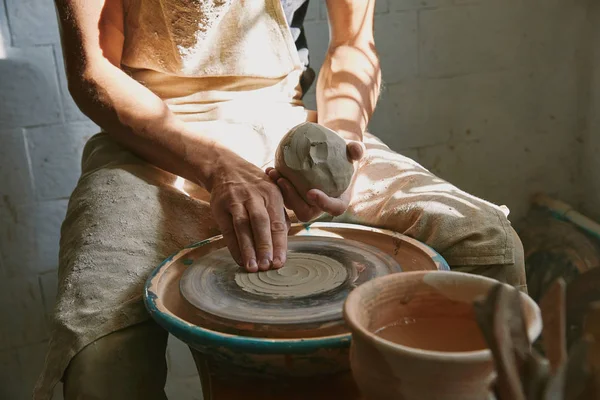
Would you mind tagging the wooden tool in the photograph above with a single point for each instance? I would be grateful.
(522, 372)
(554, 334)
(503, 336)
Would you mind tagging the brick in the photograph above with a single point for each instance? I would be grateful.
(317, 36)
(427, 112)
(49, 287)
(403, 5)
(17, 240)
(29, 88)
(508, 169)
(591, 144)
(404, 117)
(310, 99)
(470, 39)
(180, 360)
(32, 22)
(49, 218)
(461, 2)
(381, 7)
(410, 153)
(71, 111)
(15, 174)
(313, 10)
(56, 157)
(22, 313)
(557, 93)
(396, 42)
(482, 105)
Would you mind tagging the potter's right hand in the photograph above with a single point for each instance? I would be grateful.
(248, 207)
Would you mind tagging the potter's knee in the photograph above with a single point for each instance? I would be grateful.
(512, 273)
(126, 364)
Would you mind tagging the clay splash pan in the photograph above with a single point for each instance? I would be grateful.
(200, 291)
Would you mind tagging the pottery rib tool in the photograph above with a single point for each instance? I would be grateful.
(554, 334)
(493, 315)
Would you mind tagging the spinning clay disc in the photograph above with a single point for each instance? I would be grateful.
(304, 275)
(312, 156)
(311, 287)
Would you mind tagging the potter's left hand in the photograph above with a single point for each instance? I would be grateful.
(317, 202)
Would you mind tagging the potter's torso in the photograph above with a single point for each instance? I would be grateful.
(230, 68)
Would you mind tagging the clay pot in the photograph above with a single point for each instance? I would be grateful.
(436, 350)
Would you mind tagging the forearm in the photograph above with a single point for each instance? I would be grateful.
(92, 35)
(348, 89)
(139, 120)
(350, 77)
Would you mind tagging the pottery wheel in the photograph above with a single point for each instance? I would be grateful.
(311, 286)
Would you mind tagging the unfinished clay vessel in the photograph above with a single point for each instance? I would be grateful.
(415, 337)
(312, 156)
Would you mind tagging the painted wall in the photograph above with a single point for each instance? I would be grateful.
(485, 93)
(591, 159)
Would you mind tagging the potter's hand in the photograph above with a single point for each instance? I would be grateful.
(249, 209)
(317, 202)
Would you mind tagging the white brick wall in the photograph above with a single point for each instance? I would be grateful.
(490, 94)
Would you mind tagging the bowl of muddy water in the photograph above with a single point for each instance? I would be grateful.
(415, 336)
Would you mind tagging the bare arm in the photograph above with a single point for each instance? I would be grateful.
(92, 37)
(247, 206)
(347, 91)
(349, 80)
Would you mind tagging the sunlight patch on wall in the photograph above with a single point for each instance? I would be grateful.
(2, 47)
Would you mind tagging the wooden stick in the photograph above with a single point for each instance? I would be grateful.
(554, 334)
(492, 314)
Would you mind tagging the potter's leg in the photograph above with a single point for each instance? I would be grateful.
(127, 364)
(513, 274)
(396, 193)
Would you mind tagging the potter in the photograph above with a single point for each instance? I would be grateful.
(193, 98)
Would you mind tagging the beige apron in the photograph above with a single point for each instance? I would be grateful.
(229, 68)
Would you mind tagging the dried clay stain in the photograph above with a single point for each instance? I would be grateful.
(191, 23)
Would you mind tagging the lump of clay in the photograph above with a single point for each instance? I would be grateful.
(312, 156)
